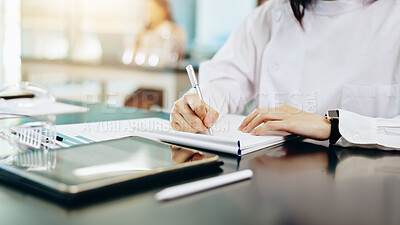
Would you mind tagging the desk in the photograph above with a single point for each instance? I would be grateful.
(297, 183)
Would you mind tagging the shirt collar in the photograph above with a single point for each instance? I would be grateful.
(331, 8)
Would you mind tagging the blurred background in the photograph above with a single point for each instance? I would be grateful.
(119, 52)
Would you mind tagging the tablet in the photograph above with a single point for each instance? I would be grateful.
(81, 169)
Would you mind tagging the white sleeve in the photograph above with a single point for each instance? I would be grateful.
(367, 132)
(228, 80)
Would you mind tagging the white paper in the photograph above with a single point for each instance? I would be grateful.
(226, 137)
(32, 107)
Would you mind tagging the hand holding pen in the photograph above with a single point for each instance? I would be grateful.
(191, 113)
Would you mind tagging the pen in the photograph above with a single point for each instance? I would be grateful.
(195, 85)
(202, 185)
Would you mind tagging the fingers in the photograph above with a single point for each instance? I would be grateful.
(191, 114)
(271, 126)
(248, 119)
(258, 117)
(254, 123)
(179, 123)
(198, 106)
(186, 118)
(206, 114)
(192, 119)
(211, 117)
(175, 125)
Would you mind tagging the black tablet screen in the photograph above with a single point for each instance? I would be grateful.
(102, 161)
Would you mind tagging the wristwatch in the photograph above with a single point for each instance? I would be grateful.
(333, 117)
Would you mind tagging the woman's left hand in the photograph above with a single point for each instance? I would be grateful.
(289, 119)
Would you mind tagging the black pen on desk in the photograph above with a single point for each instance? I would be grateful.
(195, 85)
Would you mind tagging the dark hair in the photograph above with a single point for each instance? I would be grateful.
(298, 7)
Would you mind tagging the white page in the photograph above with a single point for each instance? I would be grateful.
(225, 138)
(228, 126)
(30, 107)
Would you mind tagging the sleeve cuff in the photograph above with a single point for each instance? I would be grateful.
(357, 129)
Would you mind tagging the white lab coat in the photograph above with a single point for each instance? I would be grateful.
(347, 57)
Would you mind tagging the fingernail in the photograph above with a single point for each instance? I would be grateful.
(246, 130)
(208, 121)
(254, 133)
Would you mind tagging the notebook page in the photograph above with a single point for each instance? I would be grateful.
(225, 132)
(226, 138)
(228, 126)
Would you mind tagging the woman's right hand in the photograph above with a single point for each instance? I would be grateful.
(191, 114)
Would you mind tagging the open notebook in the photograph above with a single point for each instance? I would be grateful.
(226, 138)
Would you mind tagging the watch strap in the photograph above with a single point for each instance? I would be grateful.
(335, 134)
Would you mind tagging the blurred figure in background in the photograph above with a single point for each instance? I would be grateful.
(161, 43)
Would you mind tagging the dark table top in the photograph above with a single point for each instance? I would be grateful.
(296, 183)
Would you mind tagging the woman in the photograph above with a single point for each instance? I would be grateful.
(162, 42)
(299, 59)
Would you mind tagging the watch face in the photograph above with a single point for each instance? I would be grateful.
(333, 113)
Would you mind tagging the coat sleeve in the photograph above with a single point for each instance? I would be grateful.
(229, 79)
(367, 132)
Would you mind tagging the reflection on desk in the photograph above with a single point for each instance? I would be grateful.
(296, 183)
(38, 160)
(362, 188)
(182, 155)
